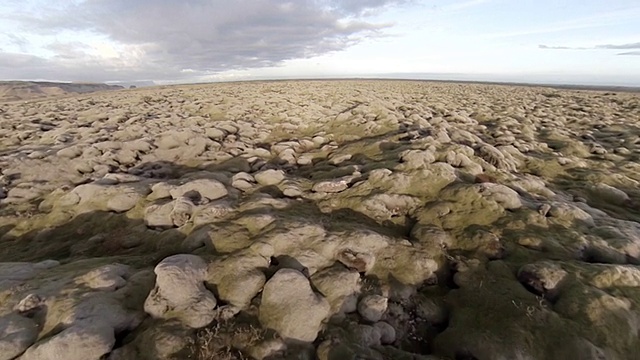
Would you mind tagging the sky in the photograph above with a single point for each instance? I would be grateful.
(593, 42)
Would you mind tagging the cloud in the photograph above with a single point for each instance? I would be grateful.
(364, 7)
(630, 53)
(620, 46)
(162, 38)
(17, 40)
(558, 47)
(597, 47)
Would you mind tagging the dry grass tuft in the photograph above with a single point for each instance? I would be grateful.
(225, 340)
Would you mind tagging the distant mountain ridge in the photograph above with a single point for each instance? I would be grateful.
(27, 90)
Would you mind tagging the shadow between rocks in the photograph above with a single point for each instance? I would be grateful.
(92, 235)
(575, 182)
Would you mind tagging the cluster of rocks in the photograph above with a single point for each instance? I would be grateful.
(377, 220)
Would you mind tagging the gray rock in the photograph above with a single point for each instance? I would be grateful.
(212, 212)
(124, 201)
(360, 261)
(160, 191)
(86, 341)
(609, 276)
(610, 194)
(338, 159)
(372, 307)
(137, 145)
(544, 209)
(290, 307)
(242, 181)
(70, 152)
(23, 192)
(215, 134)
(207, 188)
(37, 155)
(305, 160)
(15, 273)
(171, 141)
(331, 186)
(387, 332)
(542, 277)
(159, 342)
(340, 286)
(239, 277)
(106, 278)
(508, 198)
(126, 157)
(117, 178)
(269, 177)
(182, 210)
(17, 333)
(417, 159)
(29, 303)
(180, 292)
(99, 197)
(569, 213)
(159, 215)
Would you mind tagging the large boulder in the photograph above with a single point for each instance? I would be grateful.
(290, 307)
(340, 286)
(17, 333)
(159, 215)
(239, 277)
(180, 292)
(85, 341)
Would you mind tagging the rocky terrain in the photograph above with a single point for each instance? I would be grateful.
(28, 90)
(321, 220)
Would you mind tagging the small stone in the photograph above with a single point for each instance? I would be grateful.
(37, 155)
(340, 159)
(70, 152)
(304, 160)
(387, 332)
(207, 188)
(544, 209)
(362, 262)
(331, 186)
(372, 307)
(215, 134)
(29, 303)
(542, 277)
(269, 177)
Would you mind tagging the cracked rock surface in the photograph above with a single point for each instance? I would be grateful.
(321, 220)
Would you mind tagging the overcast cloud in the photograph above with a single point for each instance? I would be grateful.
(183, 41)
(171, 40)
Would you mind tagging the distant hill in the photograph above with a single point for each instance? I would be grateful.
(27, 90)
